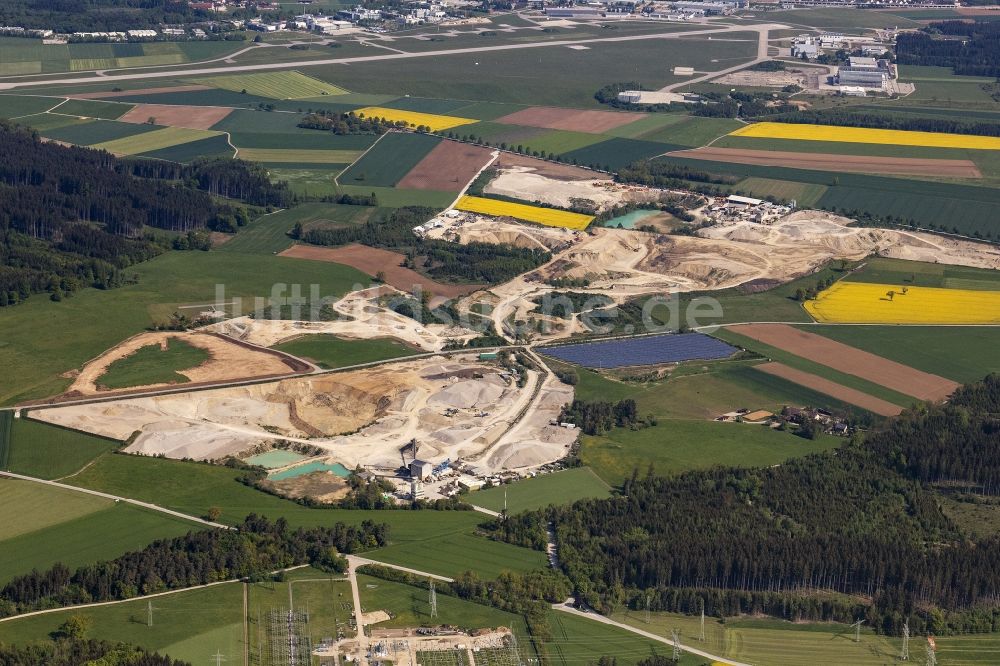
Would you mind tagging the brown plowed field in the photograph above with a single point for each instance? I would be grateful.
(372, 260)
(447, 168)
(572, 120)
(192, 117)
(909, 166)
(107, 94)
(851, 360)
(832, 389)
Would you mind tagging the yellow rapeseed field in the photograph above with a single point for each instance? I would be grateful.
(864, 303)
(434, 121)
(866, 135)
(547, 216)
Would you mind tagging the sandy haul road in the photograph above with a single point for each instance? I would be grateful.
(229, 361)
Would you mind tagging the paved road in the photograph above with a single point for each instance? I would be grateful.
(174, 73)
(352, 575)
(145, 505)
(646, 634)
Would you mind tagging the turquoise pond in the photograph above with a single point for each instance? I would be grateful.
(275, 458)
(629, 220)
(336, 468)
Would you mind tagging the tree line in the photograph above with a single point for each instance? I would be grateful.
(893, 121)
(857, 532)
(74, 651)
(105, 15)
(969, 48)
(348, 123)
(257, 546)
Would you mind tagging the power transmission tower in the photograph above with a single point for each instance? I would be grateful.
(434, 600)
(701, 633)
(218, 658)
(857, 630)
(149, 613)
(905, 654)
(677, 644)
(647, 608)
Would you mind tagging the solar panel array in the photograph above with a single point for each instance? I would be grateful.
(651, 350)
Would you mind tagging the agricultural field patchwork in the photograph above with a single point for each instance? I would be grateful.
(274, 85)
(435, 122)
(550, 217)
(801, 132)
(866, 303)
(166, 137)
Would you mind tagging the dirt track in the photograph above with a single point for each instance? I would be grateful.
(851, 360)
(594, 122)
(229, 361)
(910, 166)
(833, 389)
(191, 117)
(372, 260)
(447, 168)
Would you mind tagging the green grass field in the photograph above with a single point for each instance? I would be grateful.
(195, 487)
(804, 194)
(880, 270)
(35, 350)
(93, 108)
(329, 351)
(961, 353)
(389, 160)
(268, 234)
(90, 132)
(776, 642)
(458, 553)
(192, 625)
(410, 608)
(15, 106)
(299, 156)
(577, 640)
(49, 452)
(149, 141)
(275, 85)
(676, 445)
(563, 487)
(154, 365)
(43, 526)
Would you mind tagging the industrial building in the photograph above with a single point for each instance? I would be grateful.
(421, 469)
(865, 73)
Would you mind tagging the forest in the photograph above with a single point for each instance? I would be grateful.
(73, 651)
(75, 217)
(255, 548)
(348, 123)
(475, 262)
(857, 532)
(970, 48)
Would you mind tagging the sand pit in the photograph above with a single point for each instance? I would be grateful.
(141, 91)
(594, 122)
(833, 389)
(229, 360)
(527, 184)
(851, 360)
(371, 260)
(910, 166)
(192, 117)
(449, 167)
(454, 407)
(548, 169)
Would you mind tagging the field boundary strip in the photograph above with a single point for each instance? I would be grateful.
(6, 437)
(843, 134)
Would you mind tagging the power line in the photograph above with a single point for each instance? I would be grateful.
(905, 654)
(857, 630)
(701, 634)
(433, 600)
(218, 658)
(677, 644)
(149, 613)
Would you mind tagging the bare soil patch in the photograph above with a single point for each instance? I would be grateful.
(851, 360)
(910, 166)
(833, 389)
(144, 91)
(372, 260)
(191, 117)
(548, 169)
(447, 168)
(229, 360)
(594, 122)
